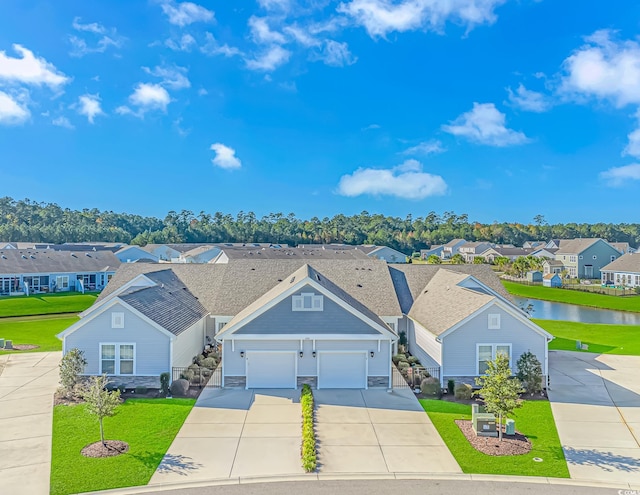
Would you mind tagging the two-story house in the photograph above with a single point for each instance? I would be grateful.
(584, 258)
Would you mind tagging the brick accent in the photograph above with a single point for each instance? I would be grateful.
(135, 381)
(378, 381)
(312, 381)
(235, 382)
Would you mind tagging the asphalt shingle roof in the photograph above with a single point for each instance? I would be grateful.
(17, 261)
(628, 263)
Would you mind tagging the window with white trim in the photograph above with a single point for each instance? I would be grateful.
(488, 352)
(392, 326)
(62, 282)
(117, 359)
(595, 256)
(307, 301)
(494, 321)
(612, 258)
(221, 325)
(117, 320)
(580, 257)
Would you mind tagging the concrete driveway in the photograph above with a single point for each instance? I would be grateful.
(375, 431)
(595, 400)
(236, 433)
(27, 384)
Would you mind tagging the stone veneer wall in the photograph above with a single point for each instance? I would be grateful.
(135, 381)
(469, 380)
(378, 381)
(312, 381)
(235, 382)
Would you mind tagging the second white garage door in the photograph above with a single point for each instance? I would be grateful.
(271, 370)
(342, 370)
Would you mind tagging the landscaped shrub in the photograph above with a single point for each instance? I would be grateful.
(71, 367)
(399, 358)
(122, 387)
(187, 375)
(403, 365)
(413, 360)
(194, 367)
(141, 390)
(463, 391)
(209, 362)
(308, 450)
(179, 387)
(530, 372)
(431, 387)
(164, 384)
(451, 386)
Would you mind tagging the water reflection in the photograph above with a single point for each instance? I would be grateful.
(547, 310)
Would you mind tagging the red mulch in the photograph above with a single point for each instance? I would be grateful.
(113, 448)
(516, 444)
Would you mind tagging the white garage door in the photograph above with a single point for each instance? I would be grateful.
(271, 370)
(342, 370)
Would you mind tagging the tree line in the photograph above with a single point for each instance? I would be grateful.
(31, 221)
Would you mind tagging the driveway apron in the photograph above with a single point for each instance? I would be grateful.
(27, 384)
(595, 400)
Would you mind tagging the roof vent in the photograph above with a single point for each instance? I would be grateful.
(32, 257)
(358, 285)
(318, 277)
(24, 257)
(4, 257)
(73, 255)
(87, 255)
(292, 280)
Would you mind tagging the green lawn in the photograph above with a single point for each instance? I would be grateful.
(45, 304)
(147, 425)
(39, 331)
(627, 303)
(603, 339)
(534, 420)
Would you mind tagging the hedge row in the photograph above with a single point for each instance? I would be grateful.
(309, 457)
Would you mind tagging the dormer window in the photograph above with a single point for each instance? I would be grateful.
(307, 301)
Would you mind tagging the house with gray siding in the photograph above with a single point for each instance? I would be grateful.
(584, 258)
(624, 272)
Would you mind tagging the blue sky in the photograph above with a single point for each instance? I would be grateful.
(502, 109)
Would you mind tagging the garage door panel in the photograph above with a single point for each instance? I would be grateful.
(271, 370)
(342, 370)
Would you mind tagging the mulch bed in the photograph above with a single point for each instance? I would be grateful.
(23, 347)
(516, 444)
(97, 449)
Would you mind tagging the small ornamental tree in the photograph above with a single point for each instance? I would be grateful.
(499, 390)
(434, 259)
(100, 402)
(457, 259)
(71, 367)
(530, 372)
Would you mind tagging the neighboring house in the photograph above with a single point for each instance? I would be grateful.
(35, 271)
(555, 243)
(435, 250)
(542, 252)
(552, 266)
(552, 280)
(623, 271)
(458, 323)
(201, 254)
(248, 252)
(163, 252)
(584, 258)
(504, 252)
(623, 247)
(534, 276)
(385, 253)
(131, 254)
(469, 250)
(452, 247)
(533, 244)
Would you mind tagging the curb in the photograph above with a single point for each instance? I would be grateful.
(245, 480)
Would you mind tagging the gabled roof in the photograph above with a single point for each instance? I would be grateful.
(549, 276)
(511, 251)
(577, 246)
(303, 275)
(16, 261)
(305, 254)
(628, 263)
(553, 262)
(168, 303)
(453, 242)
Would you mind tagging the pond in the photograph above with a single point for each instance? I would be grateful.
(546, 310)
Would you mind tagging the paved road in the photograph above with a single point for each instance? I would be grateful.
(596, 404)
(386, 487)
(27, 384)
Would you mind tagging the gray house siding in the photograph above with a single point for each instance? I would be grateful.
(134, 253)
(152, 346)
(423, 345)
(281, 319)
(188, 344)
(459, 347)
(597, 256)
(389, 255)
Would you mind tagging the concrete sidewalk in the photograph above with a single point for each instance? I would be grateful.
(596, 406)
(27, 384)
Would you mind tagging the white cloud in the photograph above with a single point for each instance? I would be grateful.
(425, 148)
(29, 69)
(269, 60)
(530, 101)
(184, 44)
(484, 124)
(172, 77)
(185, 13)
(202, 92)
(146, 97)
(225, 157)
(282, 5)
(372, 127)
(106, 37)
(212, 47)
(262, 33)
(604, 68)
(89, 106)
(407, 181)
(619, 176)
(62, 122)
(12, 111)
(301, 36)
(380, 17)
(337, 54)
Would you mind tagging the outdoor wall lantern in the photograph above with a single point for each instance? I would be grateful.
(372, 354)
(301, 353)
(241, 354)
(313, 353)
